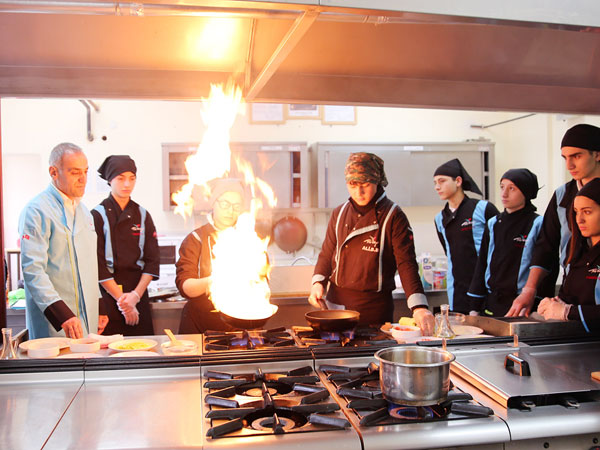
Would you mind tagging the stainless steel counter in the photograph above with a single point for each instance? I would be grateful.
(146, 408)
(31, 405)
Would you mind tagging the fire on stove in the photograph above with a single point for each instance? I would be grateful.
(360, 388)
(269, 403)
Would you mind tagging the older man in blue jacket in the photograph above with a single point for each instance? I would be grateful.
(58, 253)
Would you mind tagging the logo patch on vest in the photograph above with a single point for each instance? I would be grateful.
(594, 273)
(467, 224)
(520, 240)
(371, 245)
(136, 229)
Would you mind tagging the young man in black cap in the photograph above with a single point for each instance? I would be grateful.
(507, 245)
(580, 148)
(579, 295)
(460, 227)
(128, 255)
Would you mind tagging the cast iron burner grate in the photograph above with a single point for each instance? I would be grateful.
(269, 403)
(361, 389)
(247, 339)
(358, 337)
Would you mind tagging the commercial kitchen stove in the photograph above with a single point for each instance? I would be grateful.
(279, 340)
(461, 422)
(224, 341)
(357, 337)
(265, 403)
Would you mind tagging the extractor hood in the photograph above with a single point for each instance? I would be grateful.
(326, 52)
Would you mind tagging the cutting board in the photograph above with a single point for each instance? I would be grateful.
(596, 376)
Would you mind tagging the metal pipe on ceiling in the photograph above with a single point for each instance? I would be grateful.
(286, 12)
(140, 9)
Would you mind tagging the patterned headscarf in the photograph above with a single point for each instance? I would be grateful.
(365, 168)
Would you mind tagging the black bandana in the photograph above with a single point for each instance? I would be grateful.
(115, 165)
(591, 190)
(525, 180)
(454, 168)
(582, 136)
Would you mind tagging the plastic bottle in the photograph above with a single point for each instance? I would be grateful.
(426, 271)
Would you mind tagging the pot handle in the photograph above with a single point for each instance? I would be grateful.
(512, 360)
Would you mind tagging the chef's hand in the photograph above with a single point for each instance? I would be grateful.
(554, 308)
(522, 305)
(127, 302)
(316, 296)
(102, 322)
(73, 328)
(132, 316)
(425, 321)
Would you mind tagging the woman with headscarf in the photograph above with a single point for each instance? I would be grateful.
(507, 246)
(368, 238)
(460, 227)
(579, 295)
(128, 254)
(194, 266)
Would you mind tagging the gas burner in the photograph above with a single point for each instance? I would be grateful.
(269, 403)
(247, 339)
(362, 392)
(358, 337)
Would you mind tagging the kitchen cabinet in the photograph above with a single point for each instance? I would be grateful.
(283, 165)
(409, 168)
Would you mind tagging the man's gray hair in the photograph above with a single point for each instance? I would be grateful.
(57, 153)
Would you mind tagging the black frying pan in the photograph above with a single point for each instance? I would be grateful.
(332, 319)
(246, 324)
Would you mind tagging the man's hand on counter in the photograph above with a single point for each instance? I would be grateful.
(73, 328)
(425, 320)
(316, 296)
(522, 305)
(102, 322)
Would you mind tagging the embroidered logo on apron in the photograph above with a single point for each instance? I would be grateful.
(371, 245)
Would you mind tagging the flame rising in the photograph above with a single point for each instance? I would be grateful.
(240, 266)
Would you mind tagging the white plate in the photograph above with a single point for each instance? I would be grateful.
(62, 342)
(79, 355)
(148, 344)
(133, 353)
(462, 330)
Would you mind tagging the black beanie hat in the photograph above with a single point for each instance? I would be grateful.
(582, 136)
(115, 165)
(525, 180)
(454, 168)
(591, 190)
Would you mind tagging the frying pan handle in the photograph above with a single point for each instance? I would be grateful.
(513, 360)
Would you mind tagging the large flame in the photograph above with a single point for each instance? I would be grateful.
(240, 266)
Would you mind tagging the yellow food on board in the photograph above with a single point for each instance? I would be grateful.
(407, 321)
(134, 346)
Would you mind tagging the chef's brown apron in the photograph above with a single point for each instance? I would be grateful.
(375, 308)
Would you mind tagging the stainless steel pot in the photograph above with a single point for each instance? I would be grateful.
(416, 376)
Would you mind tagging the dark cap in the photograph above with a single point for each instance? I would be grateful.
(525, 180)
(454, 168)
(582, 136)
(115, 165)
(591, 190)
